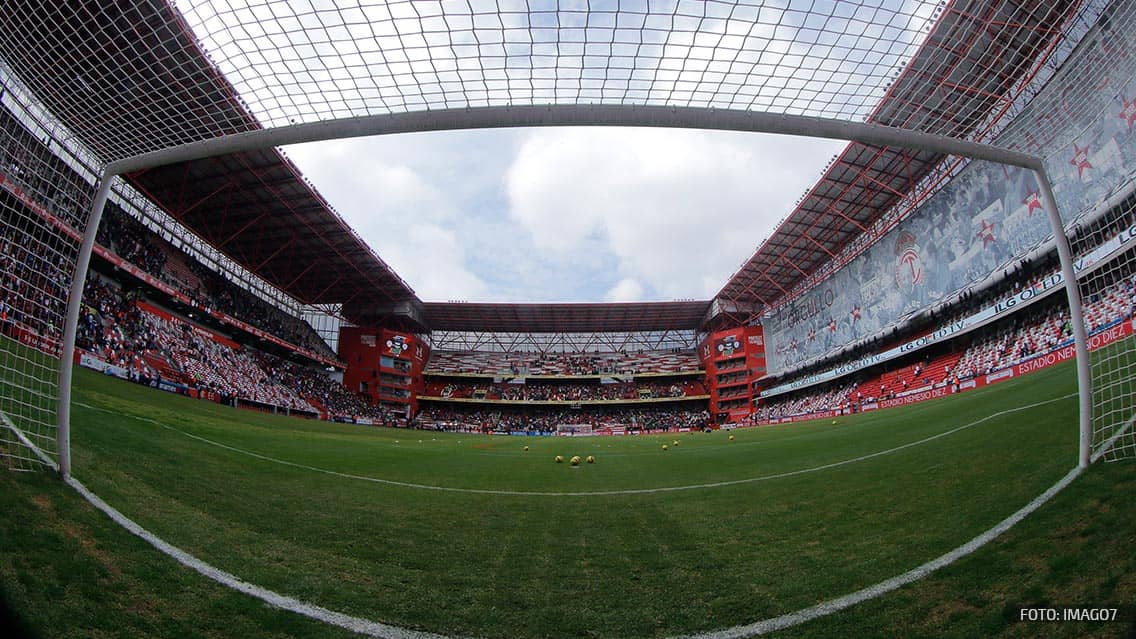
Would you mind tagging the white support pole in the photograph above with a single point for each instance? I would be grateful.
(71, 323)
(1076, 316)
(562, 115)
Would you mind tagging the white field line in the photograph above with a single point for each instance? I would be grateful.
(594, 493)
(871, 592)
(319, 613)
(376, 629)
(1107, 445)
(355, 624)
(27, 442)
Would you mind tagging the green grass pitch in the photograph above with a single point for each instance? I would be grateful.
(474, 536)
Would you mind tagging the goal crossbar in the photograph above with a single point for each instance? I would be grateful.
(576, 115)
(492, 117)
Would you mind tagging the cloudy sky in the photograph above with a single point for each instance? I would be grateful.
(565, 214)
(561, 214)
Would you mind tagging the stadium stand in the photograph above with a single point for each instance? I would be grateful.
(1020, 337)
(530, 391)
(126, 237)
(1028, 332)
(32, 282)
(638, 363)
(566, 391)
(155, 345)
(473, 418)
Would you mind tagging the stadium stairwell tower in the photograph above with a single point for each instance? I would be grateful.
(734, 360)
(185, 106)
(385, 366)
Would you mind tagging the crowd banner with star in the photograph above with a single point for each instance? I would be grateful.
(1051, 284)
(982, 221)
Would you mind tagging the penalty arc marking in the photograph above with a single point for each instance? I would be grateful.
(377, 629)
(594, 493)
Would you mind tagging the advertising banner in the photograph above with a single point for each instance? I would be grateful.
(1107, 335)
(1048, 285)
(30, 337)
(979, 222)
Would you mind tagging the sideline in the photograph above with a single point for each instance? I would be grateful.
(593, 493)
(385, 631)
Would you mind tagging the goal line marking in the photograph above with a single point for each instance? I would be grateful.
(1108, 444)
(386, 631)
(594, 493)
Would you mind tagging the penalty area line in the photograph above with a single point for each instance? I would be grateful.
(597, 493)
(871, 592)
(377, 629)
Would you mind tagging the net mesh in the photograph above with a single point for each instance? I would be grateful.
(1084, 126)
(136, 77)
(40, 201)
(1108, 289)
(88, 83)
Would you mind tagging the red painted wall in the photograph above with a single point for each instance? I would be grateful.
(376, 356)
(719, 353)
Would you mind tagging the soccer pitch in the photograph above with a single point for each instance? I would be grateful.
(474, 536)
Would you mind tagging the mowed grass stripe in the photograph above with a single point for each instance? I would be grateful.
(67, 571)
(660, 489)
(499, 463)
(641, 565)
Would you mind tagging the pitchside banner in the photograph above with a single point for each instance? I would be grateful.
(1105, 336)
(1124, 241)
(982, 220)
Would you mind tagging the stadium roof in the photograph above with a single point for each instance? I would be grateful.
(964, 78)
(625, 317)
(254, 207)
(129, 78)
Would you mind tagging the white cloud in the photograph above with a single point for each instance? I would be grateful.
(399, 210)
(679, 210)
(566, 214)
(432, 260)
(626, 290)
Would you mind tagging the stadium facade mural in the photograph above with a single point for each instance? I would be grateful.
(1053, 283)
(975, 226)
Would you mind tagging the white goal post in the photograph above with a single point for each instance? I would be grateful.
(163, 82)
(583, 115)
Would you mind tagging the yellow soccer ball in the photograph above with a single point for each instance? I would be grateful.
(731, 438)
(575, 461)
(590, 459)
(664, 446)
(676, 442)
(560, 459)
(526, 449)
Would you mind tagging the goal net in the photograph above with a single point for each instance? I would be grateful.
(573, 430)
(1109, 292)
(44, 196)
(1085, 127)
(82, 89)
